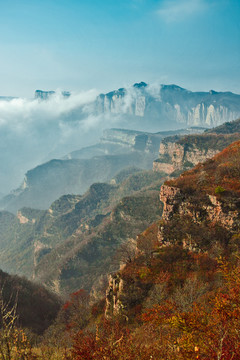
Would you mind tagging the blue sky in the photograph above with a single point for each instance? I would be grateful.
(78, 44)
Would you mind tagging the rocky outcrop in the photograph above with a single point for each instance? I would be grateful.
(165, 167)
(182, 153)
(114, 306)
(132, 139)
(22, 219)
(43, 95)
(124, 292)
(214, 210)
(174, 156)
(120, 136)
(171, 197)
(205, 198)
(225, 213)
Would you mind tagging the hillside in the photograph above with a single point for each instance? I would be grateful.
(118, 149)
(47, 182)
(177, 294)
(177, 154)
(36, 308)
(226, 128)
(178, 298)
(71, 245)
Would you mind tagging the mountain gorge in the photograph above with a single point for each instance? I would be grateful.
(71, 245)
(59, 123)
(118, 149)
(201, 215)
(180, 293)
(90, 227)
(170, 261)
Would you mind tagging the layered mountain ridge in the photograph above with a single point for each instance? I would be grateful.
(171, 104)
(64, 122)
(200, 222)
(168, 262)
(163, 106)
(118, 149)
(71, 245)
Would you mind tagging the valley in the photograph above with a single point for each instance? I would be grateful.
(100, 229)
(120, 180)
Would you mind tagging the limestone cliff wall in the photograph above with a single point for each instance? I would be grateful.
(119, 136)
(135, 140)
(225, 212)
(142, 104)
(174, 156)
(115, 288)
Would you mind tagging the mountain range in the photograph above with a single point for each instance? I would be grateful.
(167, 106)
(54, 123)
(72, 244)
(117, 149)
(146, 245)
(164, 106)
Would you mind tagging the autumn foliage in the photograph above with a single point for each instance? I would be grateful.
(223, 170)
(207, 329)
(179, 301)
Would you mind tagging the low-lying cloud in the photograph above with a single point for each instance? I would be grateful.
(35, 131)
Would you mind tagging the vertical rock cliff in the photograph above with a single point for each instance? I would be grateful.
(172, 104)
(182, 153)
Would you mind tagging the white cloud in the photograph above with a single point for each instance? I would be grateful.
(33, 131)
(179, 10)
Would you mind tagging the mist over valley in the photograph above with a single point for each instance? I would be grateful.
(119, 180)
(51, 125)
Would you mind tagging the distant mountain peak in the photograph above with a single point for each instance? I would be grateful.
(140, 85)
(213, 92)
(44, 95)
(173, 87)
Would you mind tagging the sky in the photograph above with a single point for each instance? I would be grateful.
(78, 45)
(93, 46)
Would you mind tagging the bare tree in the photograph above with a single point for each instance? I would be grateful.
(126, 252)
(13, 341)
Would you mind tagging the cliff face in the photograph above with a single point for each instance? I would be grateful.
(177, 153)
(201, 214)
(131, 139)
(224, 211)
(72, 244)
(114, 291)
(208, 194)
(172, 103)
(164, 105)
(175, 156)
